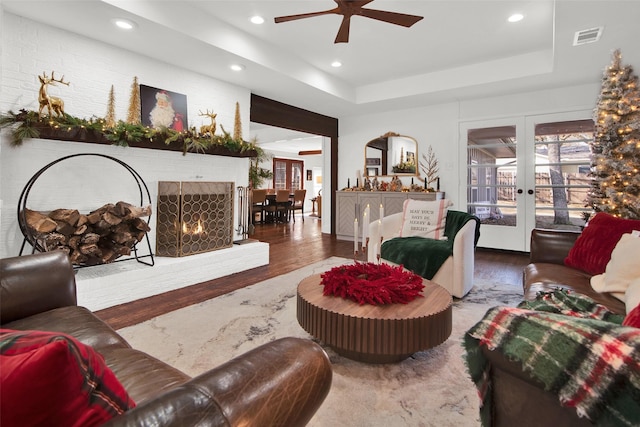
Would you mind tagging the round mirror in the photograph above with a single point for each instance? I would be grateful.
(391, 154)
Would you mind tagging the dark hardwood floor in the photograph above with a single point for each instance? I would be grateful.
(291, 246)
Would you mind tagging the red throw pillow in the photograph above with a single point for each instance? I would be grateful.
(633, 318)
(592, 250)
(49, 378)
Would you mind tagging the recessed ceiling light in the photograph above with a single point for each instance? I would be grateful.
(124, 24)
(257, 20)
(237, 67)
(516, 17)
(336, 64)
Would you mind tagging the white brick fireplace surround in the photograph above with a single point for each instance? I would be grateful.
(88, 182)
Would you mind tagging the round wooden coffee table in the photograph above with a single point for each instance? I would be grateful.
(375, 333)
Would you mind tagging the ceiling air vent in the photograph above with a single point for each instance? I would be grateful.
(591, 35)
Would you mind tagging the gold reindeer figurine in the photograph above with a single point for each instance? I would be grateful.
(211, 129)
(51, 102)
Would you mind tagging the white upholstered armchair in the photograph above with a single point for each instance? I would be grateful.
(455, 274)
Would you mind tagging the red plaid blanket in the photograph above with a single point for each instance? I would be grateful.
(592, 365)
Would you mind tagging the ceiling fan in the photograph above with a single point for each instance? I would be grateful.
(348, 8)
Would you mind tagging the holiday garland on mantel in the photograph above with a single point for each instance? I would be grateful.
(26, 124)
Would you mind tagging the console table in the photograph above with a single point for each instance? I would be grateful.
(351, 204)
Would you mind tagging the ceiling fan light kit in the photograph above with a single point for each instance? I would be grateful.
(349, 8)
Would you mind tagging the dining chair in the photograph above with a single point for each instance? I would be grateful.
(258, 204)
(298, 203)
(282, 205)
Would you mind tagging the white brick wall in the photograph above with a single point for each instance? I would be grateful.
(29, 48)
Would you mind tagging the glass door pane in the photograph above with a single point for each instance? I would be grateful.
(562, 167)
(492, 171)
(279, 174)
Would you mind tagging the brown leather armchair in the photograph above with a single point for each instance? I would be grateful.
(519, 399)
(281, 383)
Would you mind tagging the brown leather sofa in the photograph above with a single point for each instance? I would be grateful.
(518, 399)
(281, 383)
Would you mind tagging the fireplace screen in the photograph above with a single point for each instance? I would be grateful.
(194, 217)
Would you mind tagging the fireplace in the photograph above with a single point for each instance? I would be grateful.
(194, 217)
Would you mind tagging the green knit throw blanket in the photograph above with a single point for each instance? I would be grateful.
(425, 256)
(574, 346)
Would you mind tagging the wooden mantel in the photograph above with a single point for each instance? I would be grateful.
(93, 137)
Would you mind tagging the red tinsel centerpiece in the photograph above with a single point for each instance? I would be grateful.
(370, 283)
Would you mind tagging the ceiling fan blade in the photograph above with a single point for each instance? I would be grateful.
(288, 18)
(343, 32)
(391, 17)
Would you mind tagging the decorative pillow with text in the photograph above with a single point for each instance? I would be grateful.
(423, 218)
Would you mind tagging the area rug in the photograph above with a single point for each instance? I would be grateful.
(431, 388)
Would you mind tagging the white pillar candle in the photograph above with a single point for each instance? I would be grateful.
(381, 211)
(365, 228)
(355, 235)
(379, 232)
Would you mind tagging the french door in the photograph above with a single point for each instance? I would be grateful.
(494, 182)
(287, 174)
(526, 172)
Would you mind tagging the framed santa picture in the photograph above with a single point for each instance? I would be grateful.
(162, 108)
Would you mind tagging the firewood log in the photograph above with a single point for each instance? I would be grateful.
(112, 218)
(39, 222)
(74, 242)
(82, 220)
(134, 211)
(77, 257)
(69, 216)
(90, 249)
(51, 241)
(90, 238)
(140, 224)
(65, 228)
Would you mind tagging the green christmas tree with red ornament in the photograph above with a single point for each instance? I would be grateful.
(615, 151)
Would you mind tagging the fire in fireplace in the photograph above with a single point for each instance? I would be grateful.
(194, 217)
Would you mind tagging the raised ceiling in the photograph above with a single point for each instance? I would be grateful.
(462, 49)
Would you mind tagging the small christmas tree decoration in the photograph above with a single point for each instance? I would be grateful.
(615, 150)
(430, 167)
(134, 114)
(237, 124)
(110, 118)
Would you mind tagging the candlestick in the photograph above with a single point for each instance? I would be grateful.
(425, 182)
(411, 180)
(357, 183)
(438, 184)
(348, 182)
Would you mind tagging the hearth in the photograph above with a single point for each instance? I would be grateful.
(194, 217)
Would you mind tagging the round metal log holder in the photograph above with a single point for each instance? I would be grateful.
(33, 241)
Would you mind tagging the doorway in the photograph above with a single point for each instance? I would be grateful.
(273, 113)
